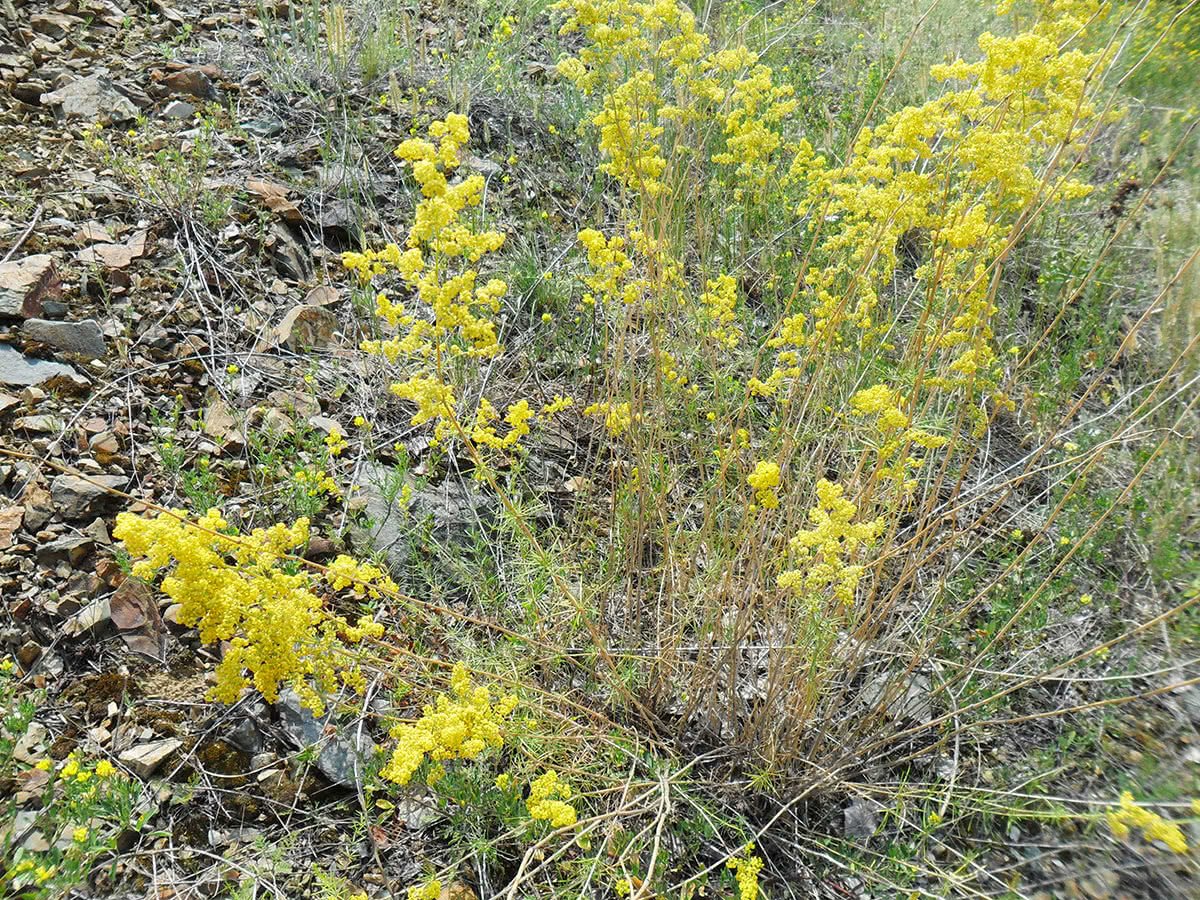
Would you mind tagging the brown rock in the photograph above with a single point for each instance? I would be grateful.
(115, 256)
(191, 81)
(11, 518)
(26, 283)
(274, 197)
(303, 327)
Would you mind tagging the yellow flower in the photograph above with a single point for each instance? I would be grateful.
(458, 725)
(745, 871)
(548, 801)
(764, 479)
(80, 835)
(430, 891)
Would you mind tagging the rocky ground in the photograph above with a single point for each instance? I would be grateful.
(168, 282)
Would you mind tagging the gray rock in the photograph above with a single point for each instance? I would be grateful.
(41, 424)
(84, 338)
(340, 758)
(859, 820)
(18, 369)
(95, 617)
(144, 759)
(290, 257)
(78, 498)
(246, 731)
(453, 507)
(178, 109)
(263, 128)
(93, 99)
(73, 549)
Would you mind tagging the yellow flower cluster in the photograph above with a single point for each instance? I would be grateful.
(960, 171)
(718, 306)
(548, 800)
(1128, 814)
(651, 67)
(431, 890)
(458, 725)
(438, 265)
(235, 588)
(895, 463)
(825, 549)
(764, 479)
(618, 417)
(745, 871)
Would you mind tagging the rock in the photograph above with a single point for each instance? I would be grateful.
(105, 446)
(115, 256)
(95, 617)
(25, 284)
(29, 748)
(145, 759)
(7, 402)
(92, 99)
(72, 549)
(39, 506)
(191, 81)
(288, 254)
(11, 518)
(262, 128)
(246, 732)
(42, 424)
(17, 369)
(345, 218)
(79, 498)
(909, 701)
(29, 653)
(83, 338)
(302, 328)
(178, 109)
(274, 197)
(453, 506)
(341, 759)
(322, 295)
(859, 820)
(220, 425)
(54, 25)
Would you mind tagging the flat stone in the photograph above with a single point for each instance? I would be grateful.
(83, 338)
(78, 498)
(303, 327)
(192, 81)
(42, 424)
(178, 109)
(145, 759)
(92, 99)
(17, 369)
(27, 283)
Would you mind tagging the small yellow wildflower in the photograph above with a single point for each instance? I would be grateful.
(548, 801)
(764, 479)
(745, 870)
(429, 891)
